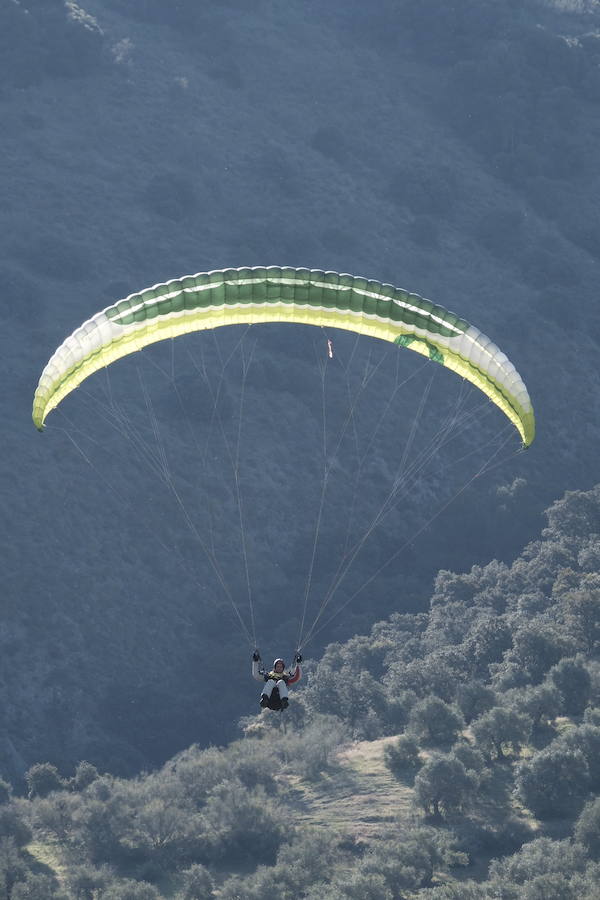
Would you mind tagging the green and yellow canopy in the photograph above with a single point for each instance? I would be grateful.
(273, 294)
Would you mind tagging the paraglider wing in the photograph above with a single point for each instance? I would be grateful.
(273, 294)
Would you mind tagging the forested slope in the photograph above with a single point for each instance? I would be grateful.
(447, 754)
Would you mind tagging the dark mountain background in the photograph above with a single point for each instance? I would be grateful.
(449, 149)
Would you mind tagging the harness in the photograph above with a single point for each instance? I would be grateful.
(276, 676)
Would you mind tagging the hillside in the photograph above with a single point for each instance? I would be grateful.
(448, 754)
(357, 797)
(451, 150)
(361, 806)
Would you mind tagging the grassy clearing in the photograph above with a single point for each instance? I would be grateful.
(359, 796)
(49, 858)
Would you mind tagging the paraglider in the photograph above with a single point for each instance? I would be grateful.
(251, 296)
(274, 694)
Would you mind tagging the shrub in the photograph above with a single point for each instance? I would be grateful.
(162, 834)
(198, 771)
(301, 865)
(242, 825)
(402, 755)
(249, 762)
(317, 746)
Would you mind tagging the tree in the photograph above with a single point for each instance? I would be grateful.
(86, 882)
(554, 782)
(487, 642)
(572, 679)
(542, 856)
(99, 825)
(577, 514)
(443, 786)
(541, 702)
(13, 826)
(56, 813)
(469, 756)
(587, 828)
(361, 886)
(131, 890)
(345, 693)
(581, 611)
(500, 731)
(466, 890)
(552, 886)
(196, 884)
(249, 762)
(592, 716)
(474, 698)
(199, 771)
(12, 867)
(408, 862)
(586, 740)
(537, 647)
(85, 774)
(37, 887)
(42, 779)
(435, 721)
(439, 672)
